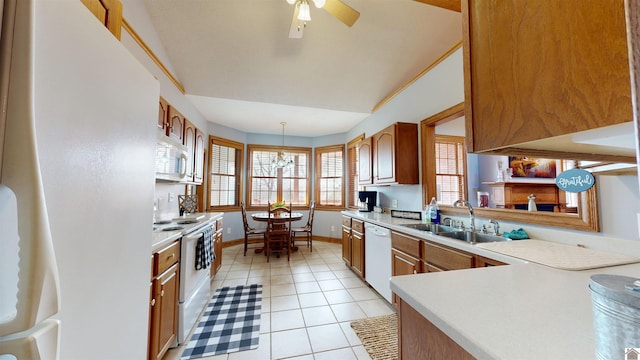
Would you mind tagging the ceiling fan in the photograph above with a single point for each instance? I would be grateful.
(301, 14)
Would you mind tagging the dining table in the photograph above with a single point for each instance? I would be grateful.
(279, 218)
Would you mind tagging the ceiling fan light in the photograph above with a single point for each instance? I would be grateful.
(319, 3)
(291, 2)
(303, 13)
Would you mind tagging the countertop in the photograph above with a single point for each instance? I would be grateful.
(161, 238)
(520, 311)
(524, 311)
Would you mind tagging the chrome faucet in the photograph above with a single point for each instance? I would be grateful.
(496, 226)
(472, 217)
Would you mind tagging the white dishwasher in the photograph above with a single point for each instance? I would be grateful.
(377, 258)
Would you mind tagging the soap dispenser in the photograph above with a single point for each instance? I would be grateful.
(434, 211)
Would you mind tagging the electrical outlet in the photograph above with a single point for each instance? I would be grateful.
(333, 228)
(171, 197)
(394, 203)
(228, 230)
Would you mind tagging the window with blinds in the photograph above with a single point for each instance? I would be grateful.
(225, 165)
(329, 180)
(450, 169)
(268, 184)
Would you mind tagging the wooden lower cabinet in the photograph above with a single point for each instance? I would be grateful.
(357, 252)
(346, 245)
(440, 258)
(482, 261)
(163, 312)
(403, 264)
(217, 248)
(419, 339)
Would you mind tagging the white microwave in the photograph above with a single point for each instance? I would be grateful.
(171, 159)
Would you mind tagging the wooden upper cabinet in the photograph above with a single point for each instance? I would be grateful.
(189, 140)
(176, 124)
(365, 173)
(395, 154)
(108, 12)
(536, 69)
(163, 114)
(198, 171)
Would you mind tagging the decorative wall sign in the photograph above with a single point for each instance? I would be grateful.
(575, 180)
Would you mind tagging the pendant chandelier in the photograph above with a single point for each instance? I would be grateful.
(280, 161)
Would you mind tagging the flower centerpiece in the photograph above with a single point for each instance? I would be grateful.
(277, 206)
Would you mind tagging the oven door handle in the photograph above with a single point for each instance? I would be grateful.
(195, 236)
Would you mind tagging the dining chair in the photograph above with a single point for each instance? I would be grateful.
(278, 235)
(251, 235)
(307, 230)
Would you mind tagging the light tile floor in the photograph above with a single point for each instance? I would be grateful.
(307, 303)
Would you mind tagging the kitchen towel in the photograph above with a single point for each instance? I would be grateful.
(204, 249)
(230, 323)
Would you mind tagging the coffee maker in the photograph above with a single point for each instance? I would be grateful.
(367, 200)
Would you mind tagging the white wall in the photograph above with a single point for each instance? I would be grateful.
(95, 108)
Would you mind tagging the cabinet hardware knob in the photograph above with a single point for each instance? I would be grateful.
(162, 293)
(415, 271)
(153, 302)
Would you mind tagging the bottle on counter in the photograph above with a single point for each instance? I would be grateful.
(434, 211)
(531, 206)
(425, 214)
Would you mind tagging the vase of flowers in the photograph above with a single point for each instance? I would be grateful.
(276, 206)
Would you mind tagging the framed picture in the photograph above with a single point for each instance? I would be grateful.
(523, 166)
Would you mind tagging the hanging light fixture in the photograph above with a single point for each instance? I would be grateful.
(280, 161)
(304, 14)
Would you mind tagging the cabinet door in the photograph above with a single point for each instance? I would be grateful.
(482, 261)
(383, 156)
(365, 173)
(536, 69)
(446, 258)
(189, 140)
(198, 171)
(217, 249)
(403, 264)
(176, 124)
(357, 253)
(167, 303)
(152, 347)
(346, 245)
(419, 339)
(163, 115)
(108, 12)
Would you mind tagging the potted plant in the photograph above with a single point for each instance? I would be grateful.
(277, 206)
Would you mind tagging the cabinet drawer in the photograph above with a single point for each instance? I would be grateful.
(166, 257)
(446, 258)
(346, 221)
(405, 243)
(357, 225)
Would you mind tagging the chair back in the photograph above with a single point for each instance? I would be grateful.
(312, 208)
(279, 222)
(244, 217)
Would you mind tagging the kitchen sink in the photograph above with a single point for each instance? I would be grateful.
(432, 228)
(473, 237)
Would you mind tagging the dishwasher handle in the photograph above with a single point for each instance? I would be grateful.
(377, 230)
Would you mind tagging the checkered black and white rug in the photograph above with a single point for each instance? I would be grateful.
(230, 323)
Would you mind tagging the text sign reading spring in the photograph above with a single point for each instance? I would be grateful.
(575, 180)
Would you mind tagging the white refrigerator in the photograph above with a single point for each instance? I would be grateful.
(78, 136)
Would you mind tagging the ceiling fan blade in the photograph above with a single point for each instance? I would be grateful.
(297, 27)
(342, 11)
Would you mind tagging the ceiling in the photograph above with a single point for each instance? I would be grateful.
(240, 69)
